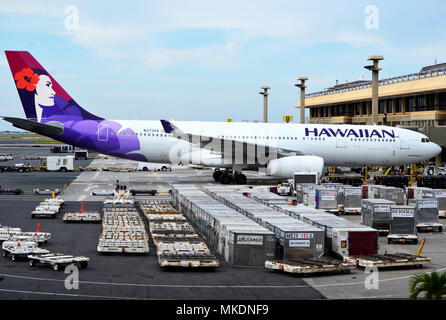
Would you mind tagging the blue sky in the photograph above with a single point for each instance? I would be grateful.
(206, 60)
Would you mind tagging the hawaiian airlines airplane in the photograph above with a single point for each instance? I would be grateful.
(281, 149)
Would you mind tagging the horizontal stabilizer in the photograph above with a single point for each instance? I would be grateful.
(48, 129)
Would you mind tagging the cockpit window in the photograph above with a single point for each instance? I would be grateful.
(425, 140)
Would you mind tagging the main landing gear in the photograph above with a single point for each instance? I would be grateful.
(228, 176)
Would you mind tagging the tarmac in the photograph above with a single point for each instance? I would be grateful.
(121, 276)
(140, 277)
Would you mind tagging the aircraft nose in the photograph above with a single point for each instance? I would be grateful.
(436, 149)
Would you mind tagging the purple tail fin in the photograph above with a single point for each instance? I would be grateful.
(43, 99)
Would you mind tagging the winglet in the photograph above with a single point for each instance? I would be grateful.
(167, 126)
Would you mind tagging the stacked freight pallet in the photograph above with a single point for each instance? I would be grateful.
(176, 241)
(300, 246)
(47, 208)
(123, 230)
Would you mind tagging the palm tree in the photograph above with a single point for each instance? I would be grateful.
(433, 285)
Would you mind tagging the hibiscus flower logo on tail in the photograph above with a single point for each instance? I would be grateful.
(26, 79)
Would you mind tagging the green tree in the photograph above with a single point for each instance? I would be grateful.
(433, 285)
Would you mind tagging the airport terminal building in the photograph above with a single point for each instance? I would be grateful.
(416, 101)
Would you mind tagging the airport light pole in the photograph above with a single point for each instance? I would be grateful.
(302, 87)
(375, 85)
(265, 102)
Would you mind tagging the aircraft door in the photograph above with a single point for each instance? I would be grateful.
(404, 142)
(103, 132)
(341, 142)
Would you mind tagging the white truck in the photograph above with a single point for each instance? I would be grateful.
(56, 163)
(151, 166)
(286, 188)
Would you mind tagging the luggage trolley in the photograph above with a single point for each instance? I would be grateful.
(21, 249)
(58, 260)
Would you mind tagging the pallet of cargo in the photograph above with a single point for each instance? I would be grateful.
(182, 249)
(43, 213)
(188, 261)
(436, 227)
(118, 246)
(93, 217)
(389, 260)
(7, 232)
(165, 217)
(21, 248)
(57, 260)
(39, 237)
(308, 266)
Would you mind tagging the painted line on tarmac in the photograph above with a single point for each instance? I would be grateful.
(209, 286)
(72, 295)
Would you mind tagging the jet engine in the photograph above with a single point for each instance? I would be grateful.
(286, 167)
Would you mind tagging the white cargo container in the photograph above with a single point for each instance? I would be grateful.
(55, 163)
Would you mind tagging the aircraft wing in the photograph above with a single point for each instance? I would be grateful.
(51, 128)
(217, 143)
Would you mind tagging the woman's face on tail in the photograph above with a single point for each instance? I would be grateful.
(44, 91)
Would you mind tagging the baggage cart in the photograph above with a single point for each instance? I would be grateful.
(389, 260)
(21, 249)
(311, 266)
(57, 260)
(208, 261)
(402, 225)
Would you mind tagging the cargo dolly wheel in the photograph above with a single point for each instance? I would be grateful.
(55, 267)
(13, 257)
(84, 265)
(5, 253)
(32, 263)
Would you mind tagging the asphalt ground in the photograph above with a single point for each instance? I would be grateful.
(121, 276)
(140, 277)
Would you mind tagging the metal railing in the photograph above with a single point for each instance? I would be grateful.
(409, 77)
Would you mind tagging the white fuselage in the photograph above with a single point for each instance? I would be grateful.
(338, 145)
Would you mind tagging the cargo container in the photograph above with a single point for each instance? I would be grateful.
(309, 193)
(349, 199)
(396, 195)
(375, 213)
(237, 238)
(440, 195)
(326, 199)
(427, 217)
(298, 240)
(419, 193)
(402, 224)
